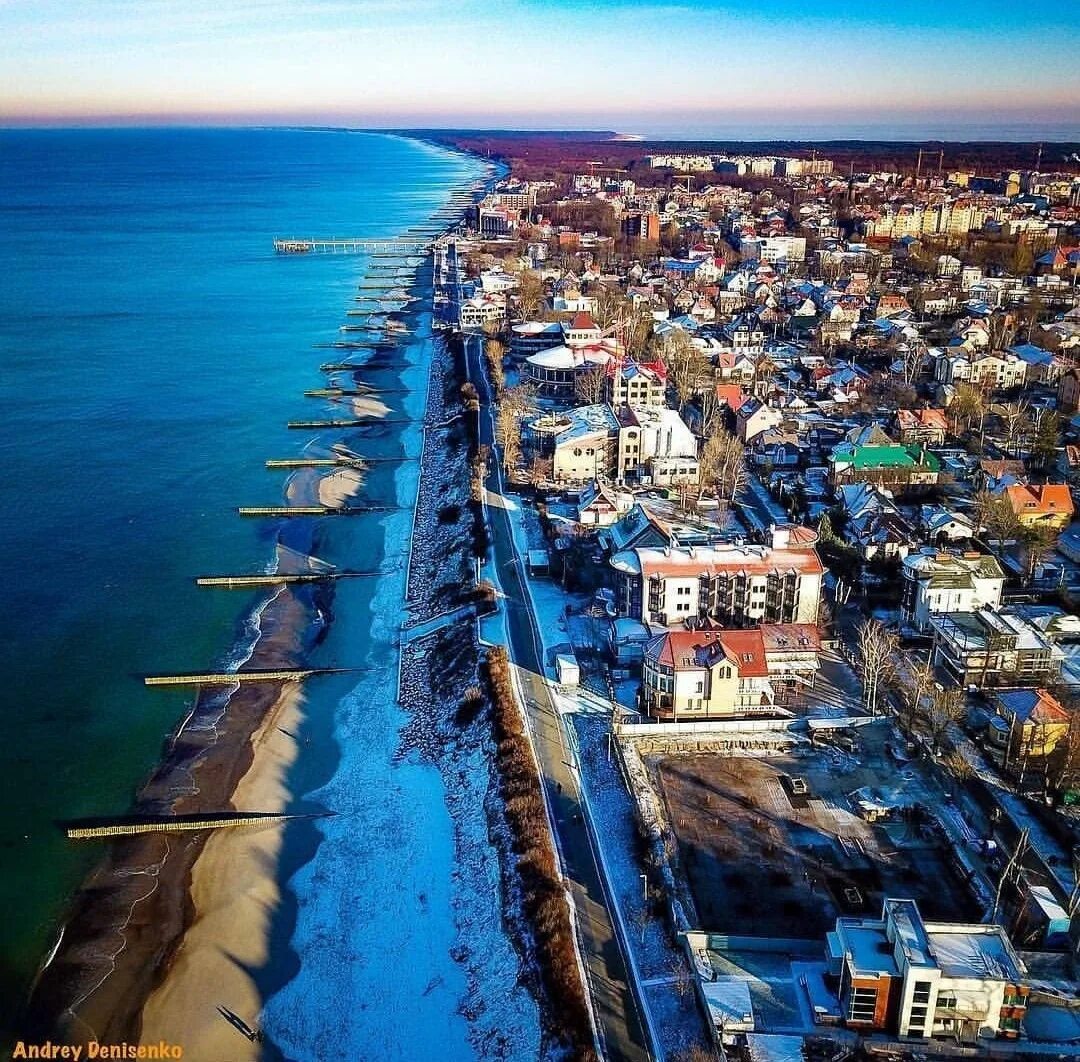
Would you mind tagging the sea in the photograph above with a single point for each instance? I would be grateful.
(153, 350)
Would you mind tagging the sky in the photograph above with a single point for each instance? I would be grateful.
(650, 67)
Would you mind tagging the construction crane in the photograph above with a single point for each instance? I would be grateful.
(599, 167)
(688, 177)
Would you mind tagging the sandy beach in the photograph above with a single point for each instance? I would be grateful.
(234, 898)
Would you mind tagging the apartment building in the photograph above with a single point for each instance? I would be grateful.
(736, 585)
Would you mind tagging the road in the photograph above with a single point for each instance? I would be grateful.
(614, 1003)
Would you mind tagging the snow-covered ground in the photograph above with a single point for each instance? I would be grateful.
(402, 947)
(657, 960)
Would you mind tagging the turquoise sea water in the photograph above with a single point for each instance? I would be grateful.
(153, 348)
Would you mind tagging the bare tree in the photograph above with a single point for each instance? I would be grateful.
(530, 294)
(589, 384)
(687, 367)
(722, 465)
(946, 708)
(919, 686)
(875, 645)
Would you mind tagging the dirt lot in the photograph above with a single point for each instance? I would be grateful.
(762, 860)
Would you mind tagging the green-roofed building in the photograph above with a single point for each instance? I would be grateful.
(895, 464)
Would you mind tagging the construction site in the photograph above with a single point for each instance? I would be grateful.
(780, 846)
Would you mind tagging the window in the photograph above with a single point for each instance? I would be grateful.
(862, 1004)
(700, 688)
(921, 992)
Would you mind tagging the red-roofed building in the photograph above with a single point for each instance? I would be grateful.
(720, 673)
(733, 584)
(1046, 505)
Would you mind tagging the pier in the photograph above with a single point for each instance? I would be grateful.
(370, 422)
(229, 678)
(349, 245)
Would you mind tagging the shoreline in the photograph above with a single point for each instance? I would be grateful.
(118, 969)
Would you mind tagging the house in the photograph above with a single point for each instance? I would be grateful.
(895, 465)
(875, 526)
(985, 647)
(1069, 391)
(753, 417)
(998, 371)
(927, 426)
(940, 524)
(1027, 724)
(901, 975)
(599, 505)
(732, 584)
(935, 582)
(626, 640)
(1044, 505)
(693, 675)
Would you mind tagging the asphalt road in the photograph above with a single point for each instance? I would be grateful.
(615, 1006)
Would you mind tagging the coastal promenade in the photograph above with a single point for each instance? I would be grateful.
(614, 1003)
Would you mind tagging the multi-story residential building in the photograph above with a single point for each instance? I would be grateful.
(985, 647)
(737, 585)
(901, 975)
(1027, 726)
(937, 583)
(633, 383)
(644, 225)
(713, 674)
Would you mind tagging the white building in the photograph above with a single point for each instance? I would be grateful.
(902, 975)
(732, 584)
(937, 582)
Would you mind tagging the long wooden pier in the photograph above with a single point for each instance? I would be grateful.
(227, 678)
(371, 422)
(349, 245)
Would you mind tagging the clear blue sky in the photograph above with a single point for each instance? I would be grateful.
(647, 67)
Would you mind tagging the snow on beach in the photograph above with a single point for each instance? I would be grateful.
(400, 909)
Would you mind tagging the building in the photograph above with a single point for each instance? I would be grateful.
(1046, 505)
(632, 383)
(641, 226)
(715, 674)
(655, 440)
(736, 585)
(901, 975)
(893, 465)
(985, 648)
(554, 372)
(581, 442)
(927, 426)
(1028, 724)
(754, 417)
(936, 582)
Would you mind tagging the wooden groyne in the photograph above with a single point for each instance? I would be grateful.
(316, 425)
(244, 582)
(177, 824)
(227, 678)
(316, 462)
(313, 510)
